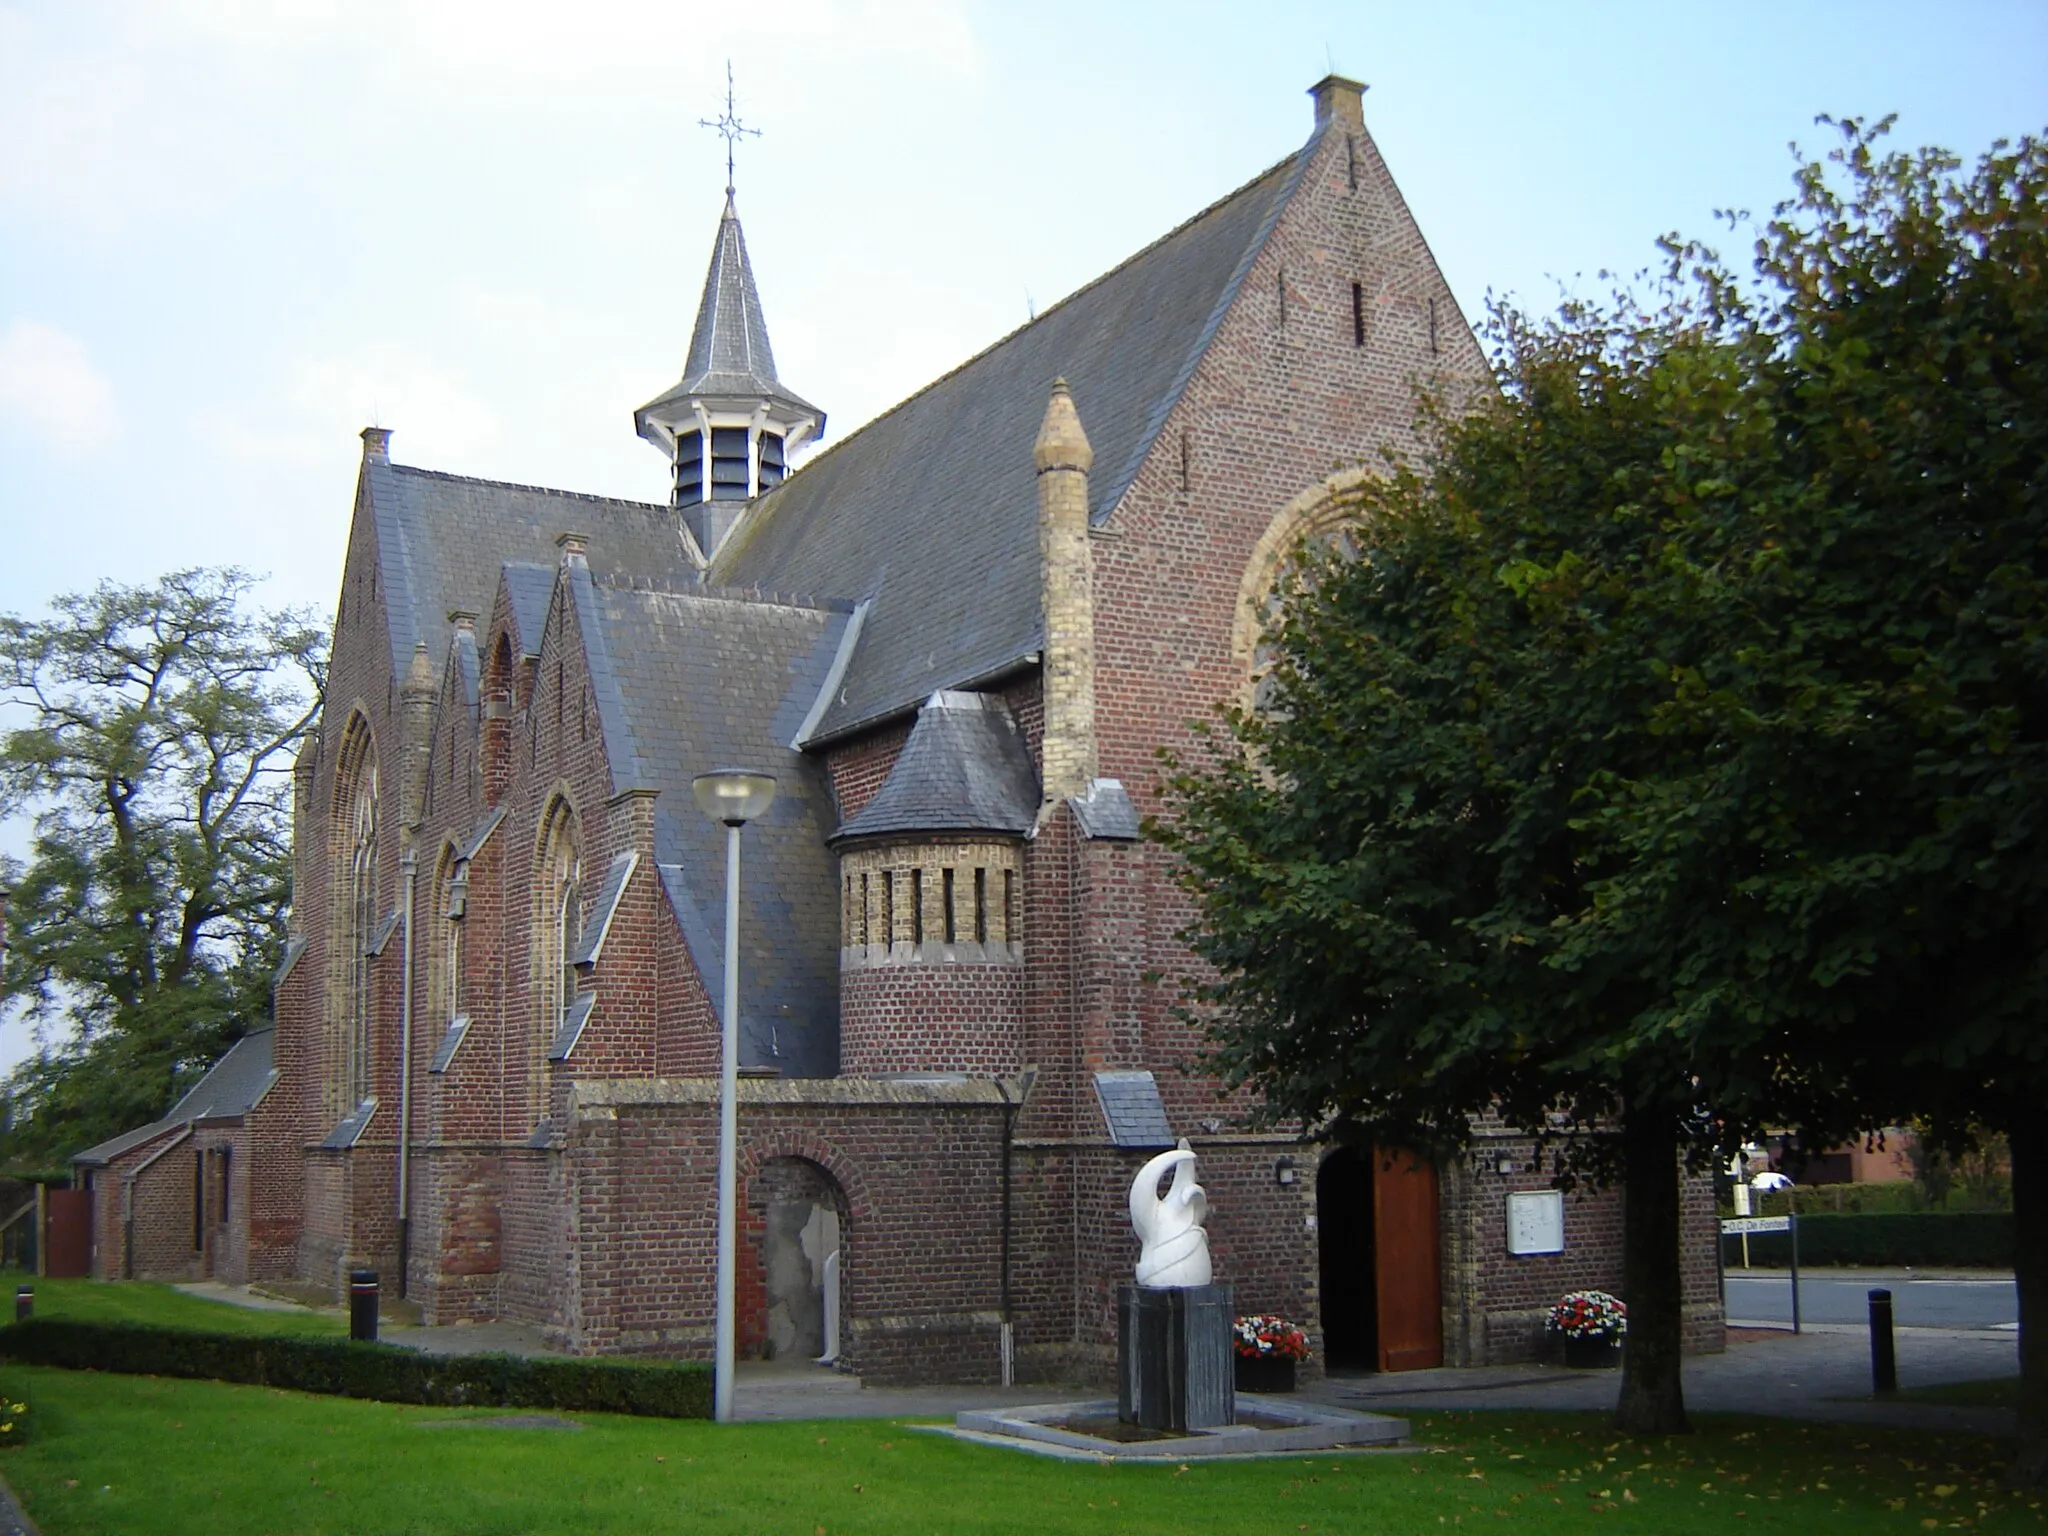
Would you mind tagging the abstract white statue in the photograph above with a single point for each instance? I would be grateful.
(1174, 1249)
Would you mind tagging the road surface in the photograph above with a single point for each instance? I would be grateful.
(1765, 1296)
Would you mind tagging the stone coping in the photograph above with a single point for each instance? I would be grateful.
(1305, 1426)
(934, 1088)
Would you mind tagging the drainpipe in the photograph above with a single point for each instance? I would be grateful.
(409, 866)
(1009, 1345)
(1025, 1081)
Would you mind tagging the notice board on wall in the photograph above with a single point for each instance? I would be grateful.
(1536, 1221)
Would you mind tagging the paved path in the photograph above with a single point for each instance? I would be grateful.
(1823, 1373)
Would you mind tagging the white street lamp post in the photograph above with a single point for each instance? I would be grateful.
(735, 797)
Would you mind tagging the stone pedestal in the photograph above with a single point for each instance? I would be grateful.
(1174, 1357)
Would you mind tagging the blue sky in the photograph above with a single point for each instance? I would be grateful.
(233, 232)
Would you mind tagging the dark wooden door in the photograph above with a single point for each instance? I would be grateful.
(69, 1233)
(1405, 1259)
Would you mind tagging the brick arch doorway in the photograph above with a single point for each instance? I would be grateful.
(1382, 1283)
(797, 1216)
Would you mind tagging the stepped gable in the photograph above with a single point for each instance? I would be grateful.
(689, 681)
(931, 509)
(441, 540)
(965, 768)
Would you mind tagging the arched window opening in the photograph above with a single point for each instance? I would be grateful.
(444, 991)
(559, 926)
(497, 722)
(356, 909)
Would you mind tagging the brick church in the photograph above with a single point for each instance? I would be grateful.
(956, 637)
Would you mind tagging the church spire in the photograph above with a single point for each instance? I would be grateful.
(729, 427)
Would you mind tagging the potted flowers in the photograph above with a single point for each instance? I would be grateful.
(1591, 1325)
(1267, 1349)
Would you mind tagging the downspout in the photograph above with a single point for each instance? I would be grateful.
(409, 866)
(1009, 1335)
(1026, 1081)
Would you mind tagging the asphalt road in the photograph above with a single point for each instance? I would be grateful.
(1766, 1297)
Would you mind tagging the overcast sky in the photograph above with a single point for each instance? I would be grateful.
(234, 232)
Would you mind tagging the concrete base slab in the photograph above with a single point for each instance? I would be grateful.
(1269, 1426)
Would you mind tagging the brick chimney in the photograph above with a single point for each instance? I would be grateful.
(1339, 101)
(376, 445)
(1067, 598)
(574, 546)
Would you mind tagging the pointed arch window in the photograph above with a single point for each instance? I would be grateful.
(357, 910)
(559, 925)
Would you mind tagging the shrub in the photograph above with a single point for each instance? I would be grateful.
(1920, 1239)
(382, 1372)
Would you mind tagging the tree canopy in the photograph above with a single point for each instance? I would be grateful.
(1669, 757)
(154, 762)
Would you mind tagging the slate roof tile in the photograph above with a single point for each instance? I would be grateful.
(965, 768)
(931, 509)
(701, 680)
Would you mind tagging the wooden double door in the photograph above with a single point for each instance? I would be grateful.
(1382, 1287)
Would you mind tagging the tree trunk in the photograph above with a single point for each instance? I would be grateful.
(2028, 1138)
(1652, 1386)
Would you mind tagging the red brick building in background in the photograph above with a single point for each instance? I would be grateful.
(957, 638)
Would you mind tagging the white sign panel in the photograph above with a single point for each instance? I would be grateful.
(1757, 1224)
(1536, 1222)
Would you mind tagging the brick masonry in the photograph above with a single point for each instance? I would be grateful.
(578, 1193)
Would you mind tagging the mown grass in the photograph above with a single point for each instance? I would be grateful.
(127, 1454)
(141, 1301)
(1999, 1392)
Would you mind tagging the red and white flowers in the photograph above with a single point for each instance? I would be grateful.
(1264, 1336)
(1589, 1315)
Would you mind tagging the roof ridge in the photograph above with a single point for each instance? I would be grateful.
(1050, 310)
(520, 485)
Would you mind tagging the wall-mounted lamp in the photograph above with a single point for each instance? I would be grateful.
(1504, 1165)
(1283, 1171)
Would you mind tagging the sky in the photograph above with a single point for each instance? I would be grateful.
(235, 232)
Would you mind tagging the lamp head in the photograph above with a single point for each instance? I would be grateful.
(734, 796)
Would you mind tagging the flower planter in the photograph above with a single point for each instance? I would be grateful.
(1265, 1373)
(1597, 1354)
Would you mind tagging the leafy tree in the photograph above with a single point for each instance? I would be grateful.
(155, 762)
(1402, 877)
(1908, 300)
(1674, 754)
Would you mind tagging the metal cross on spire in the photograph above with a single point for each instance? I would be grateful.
(728, 127)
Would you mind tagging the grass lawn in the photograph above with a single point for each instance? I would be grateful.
(1999, 1392)
(137, 1454)
(140, 1301)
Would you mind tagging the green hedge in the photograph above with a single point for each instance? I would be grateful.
(378, 1371)
(1919, 1239)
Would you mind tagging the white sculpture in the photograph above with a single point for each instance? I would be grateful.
(1174, 1249)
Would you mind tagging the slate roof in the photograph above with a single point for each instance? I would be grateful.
(965, 768)
(529, 588)
(729, 352)
(442, 538)
(231, 1087)
(690, 680)
(1132, 1109)
(931, 509)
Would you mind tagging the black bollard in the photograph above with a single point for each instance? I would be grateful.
(24, 1303)
(1884, 1363)
(362, 1305)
